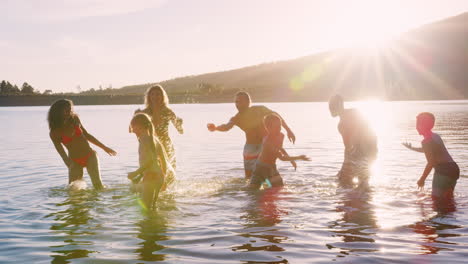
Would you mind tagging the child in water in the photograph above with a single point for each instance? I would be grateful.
(446, 171)
(152, 159)
(272, 149)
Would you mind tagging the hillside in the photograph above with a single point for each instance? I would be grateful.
(421, 64)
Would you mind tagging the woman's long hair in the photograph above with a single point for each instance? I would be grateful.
(144, 120)
(160, 90)
(55, 117)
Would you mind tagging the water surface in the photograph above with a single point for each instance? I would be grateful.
(206, 217)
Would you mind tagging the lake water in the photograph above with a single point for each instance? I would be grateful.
(206, 218)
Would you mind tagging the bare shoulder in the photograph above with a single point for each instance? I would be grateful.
(76, 120)
(54, 134)
(168, 111)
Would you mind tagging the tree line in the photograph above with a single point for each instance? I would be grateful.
(7, 88)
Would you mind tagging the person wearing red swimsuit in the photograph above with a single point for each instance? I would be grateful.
(66, 130)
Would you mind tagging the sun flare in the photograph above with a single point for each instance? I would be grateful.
(370, 24)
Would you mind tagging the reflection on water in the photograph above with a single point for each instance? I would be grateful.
(261, 213)
(436, 229)
(207, 218)
(357, 224)
(262, 208)
(74, 222)
(151, 230)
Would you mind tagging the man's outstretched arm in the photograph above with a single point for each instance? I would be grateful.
(224, 127)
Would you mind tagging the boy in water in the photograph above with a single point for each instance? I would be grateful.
(446, 171)
(272, 148)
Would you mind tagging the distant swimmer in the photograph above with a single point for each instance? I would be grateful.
(359, 140)
(272, 149)
(66, 130)
(154, 163)
(250, 120)
(446, 171)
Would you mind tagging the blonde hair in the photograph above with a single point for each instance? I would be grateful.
(144, 120)
(158, 88)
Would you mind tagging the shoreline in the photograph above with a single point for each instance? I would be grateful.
(47, 100)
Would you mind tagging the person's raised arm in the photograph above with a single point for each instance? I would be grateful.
(409, 146)
(59, 147)
(289, 132)
(284, 156)
(430, 164)
(96, 142)
(224, 127)
(176, 121)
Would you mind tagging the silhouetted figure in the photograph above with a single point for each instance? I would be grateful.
(272, 149)
(66, 130)
(250, 120)
(359, 140)
(446, 171)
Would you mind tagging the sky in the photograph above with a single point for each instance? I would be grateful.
(65, 44)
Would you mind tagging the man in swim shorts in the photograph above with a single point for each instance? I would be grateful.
(250, 120)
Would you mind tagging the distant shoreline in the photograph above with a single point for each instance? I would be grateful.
(47, 100)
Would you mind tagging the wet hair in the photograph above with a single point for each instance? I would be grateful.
(270, 118)
(55, 117)
(426, 120)
(158, 88)
(244, 94)
(144, 120)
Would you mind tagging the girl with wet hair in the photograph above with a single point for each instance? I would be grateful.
(154, 164)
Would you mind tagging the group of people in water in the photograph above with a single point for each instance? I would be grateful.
(263, 146)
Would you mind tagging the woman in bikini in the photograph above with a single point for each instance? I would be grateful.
(66, 130)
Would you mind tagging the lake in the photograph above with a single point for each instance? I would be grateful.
(205, 217)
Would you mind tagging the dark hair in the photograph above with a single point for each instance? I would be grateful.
(55, 116)
(427, 120)
(245, 94)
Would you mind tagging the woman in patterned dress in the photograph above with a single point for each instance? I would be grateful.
(157, 107)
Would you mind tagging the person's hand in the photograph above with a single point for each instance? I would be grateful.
(132, 175)
(293, 163)
(180, 127)
(303, 157)
(110, 151)
(291, 136)
(408, 145)
(421, 183)
(211, 127)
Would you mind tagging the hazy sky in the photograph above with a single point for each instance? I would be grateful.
(60, 44)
